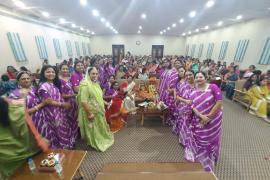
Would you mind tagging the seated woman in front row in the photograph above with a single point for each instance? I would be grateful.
(260, 99)
(19, 138)
(116, 113)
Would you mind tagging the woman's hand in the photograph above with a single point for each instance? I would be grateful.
(66, 105)
(90, 117)
(204, 119)
(48, 101)
(187, 101)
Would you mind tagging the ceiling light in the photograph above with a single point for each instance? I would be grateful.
(239, 17)
(102, 19)
(107, 24)
(62, 21)
(83, 2)
(268, 8)
(173, 25)
(197, 30)
(93, 33)
(220, 23)
(81, 28)
(161, 32)
(143, 16)
(140, 27)
(45, 14)
(95, 12)
(116, 32)
(87, 31)
(73, 25)
(164, 30)
(189, 32)
(206, 27)
(19, 4)
(183, 34)
(210, 3)
(139, 32)
(111, 27)
(168, 28)
(181, 20)
(192, 14)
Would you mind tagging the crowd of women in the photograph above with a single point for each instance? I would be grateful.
(86, 100)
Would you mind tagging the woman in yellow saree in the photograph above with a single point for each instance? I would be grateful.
(92, 122)
(260, 99)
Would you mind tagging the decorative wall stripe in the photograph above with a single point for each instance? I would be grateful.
(223, 50)
(42, 50)
(57, 48)
(83, 49)
(265, 56)
(200, 50)
(89, 49)
(193, 47)
(241, 50)
(77, 49)
(69, 48)
(16, 46)
(210, 50)
(187, 50)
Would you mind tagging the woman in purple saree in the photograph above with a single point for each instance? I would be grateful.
(70, 97)
(203, 137)
(51, 120)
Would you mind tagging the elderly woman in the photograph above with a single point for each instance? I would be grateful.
(92, 122)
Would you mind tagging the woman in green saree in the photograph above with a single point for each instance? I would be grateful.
(92, 122)
(19, 138)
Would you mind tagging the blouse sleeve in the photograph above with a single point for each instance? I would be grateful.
(74, 80)
(43, 93)
(216, 92)
(84, 94)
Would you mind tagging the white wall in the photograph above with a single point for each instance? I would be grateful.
(173, 45)
(27, 32)
(256, 31)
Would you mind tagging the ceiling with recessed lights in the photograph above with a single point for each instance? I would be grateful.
(154, 17)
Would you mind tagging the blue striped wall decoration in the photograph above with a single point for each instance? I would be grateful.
(77, 49)
(187, 50)
(16, 46)
(241, 50)
(69, 48)
(83, 49)
(57, 48)
(42, 50)
(89, 49)
(265, 55)
(192, 51)
(223, 50)
(210, 50)
(200, 50)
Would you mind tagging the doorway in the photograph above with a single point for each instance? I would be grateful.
(118, 53)
(157, 51)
